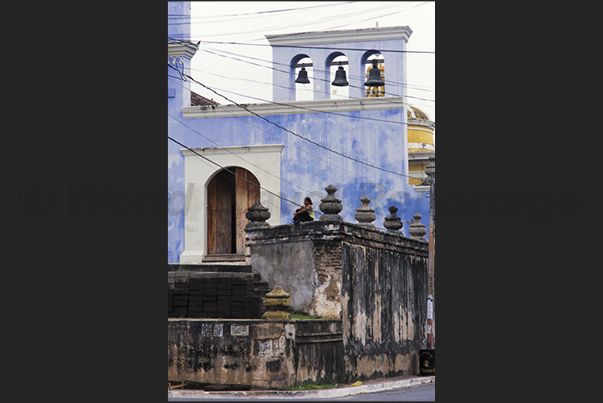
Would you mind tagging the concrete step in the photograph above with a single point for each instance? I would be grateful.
(224, 258)
(211, 267)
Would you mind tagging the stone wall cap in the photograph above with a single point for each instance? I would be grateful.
(278, 292)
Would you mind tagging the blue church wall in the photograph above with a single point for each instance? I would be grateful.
(377, 137)
(178, 18)
(306, 169)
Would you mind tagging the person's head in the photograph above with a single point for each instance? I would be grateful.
(307, 201)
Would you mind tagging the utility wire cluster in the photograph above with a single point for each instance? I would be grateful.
(284, 128)
(181, 19)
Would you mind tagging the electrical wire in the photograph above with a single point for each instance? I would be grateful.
(255, 13)
(272, 63)
(310, 110)
(292, 132)
(312, 21)
(315, 78)
(290, 144)
(236, 155)
(301, 46)
(233, 173)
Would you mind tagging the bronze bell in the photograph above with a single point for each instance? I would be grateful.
(302, 78)
(340, 78)
(374, 78)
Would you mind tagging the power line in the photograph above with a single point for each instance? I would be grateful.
(290, 131)
(313, 21)
(298, 106)
(305, 108)
(315, 78)
(262, 12)
(233, 173)
(305, 47)
(355, 174)
(272, 63)
(236, 155)
(317, 47)
(315, 110)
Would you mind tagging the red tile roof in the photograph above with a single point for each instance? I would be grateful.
(198, 100)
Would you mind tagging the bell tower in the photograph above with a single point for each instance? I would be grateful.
(357, 45)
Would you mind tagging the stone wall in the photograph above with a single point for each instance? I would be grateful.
(376, 281)
(255, 353)
(384, 295)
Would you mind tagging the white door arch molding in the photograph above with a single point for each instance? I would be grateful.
(263, 161)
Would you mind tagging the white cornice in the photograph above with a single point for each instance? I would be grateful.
(182, 49)
(270, 148)
(293, 107)
(343, 36)
(421, 122)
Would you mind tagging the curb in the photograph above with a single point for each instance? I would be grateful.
(303, 394)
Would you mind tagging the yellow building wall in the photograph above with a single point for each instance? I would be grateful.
(419, 135)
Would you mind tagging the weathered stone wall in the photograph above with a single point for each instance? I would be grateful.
(376, 281)
(255, 353)
(384, 310)
(305, 260)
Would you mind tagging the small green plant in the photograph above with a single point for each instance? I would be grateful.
(302, 316)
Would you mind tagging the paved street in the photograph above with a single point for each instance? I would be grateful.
(421, 393)
(425, 392)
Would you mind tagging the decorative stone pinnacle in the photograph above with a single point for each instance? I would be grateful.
(276, 302)
(416, 229)
(330, 206)
(365, 215)
(258, 215)
(393, 223)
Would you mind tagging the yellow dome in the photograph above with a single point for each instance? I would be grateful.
(416, 113)
(421, 143)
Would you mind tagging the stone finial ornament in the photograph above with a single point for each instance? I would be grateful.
(330, 206)
(393, 223)
(416, 229)
(365, 215)
(258, 215)
(276, 303)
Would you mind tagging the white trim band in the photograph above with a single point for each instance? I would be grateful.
(342, 36)
(294, 107)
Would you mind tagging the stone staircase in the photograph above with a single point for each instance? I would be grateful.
(215, 290)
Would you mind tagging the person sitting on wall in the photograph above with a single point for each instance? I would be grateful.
(305, 213)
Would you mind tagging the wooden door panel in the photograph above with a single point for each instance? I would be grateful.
(247, 194)
(229, 196)
(224, 216)
(241, 208)
(212, 202)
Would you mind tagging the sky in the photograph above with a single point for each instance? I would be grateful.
(247, 22)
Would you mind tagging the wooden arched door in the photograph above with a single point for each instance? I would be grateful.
(229, 195)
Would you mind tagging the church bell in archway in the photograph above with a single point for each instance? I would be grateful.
(374, 78)
(302, 78)
(340, 78)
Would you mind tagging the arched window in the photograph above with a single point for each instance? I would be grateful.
(334, 61)
(303, 91)
(375, 57)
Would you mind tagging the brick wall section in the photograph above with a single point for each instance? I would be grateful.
(213, 295)
(327, 259)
